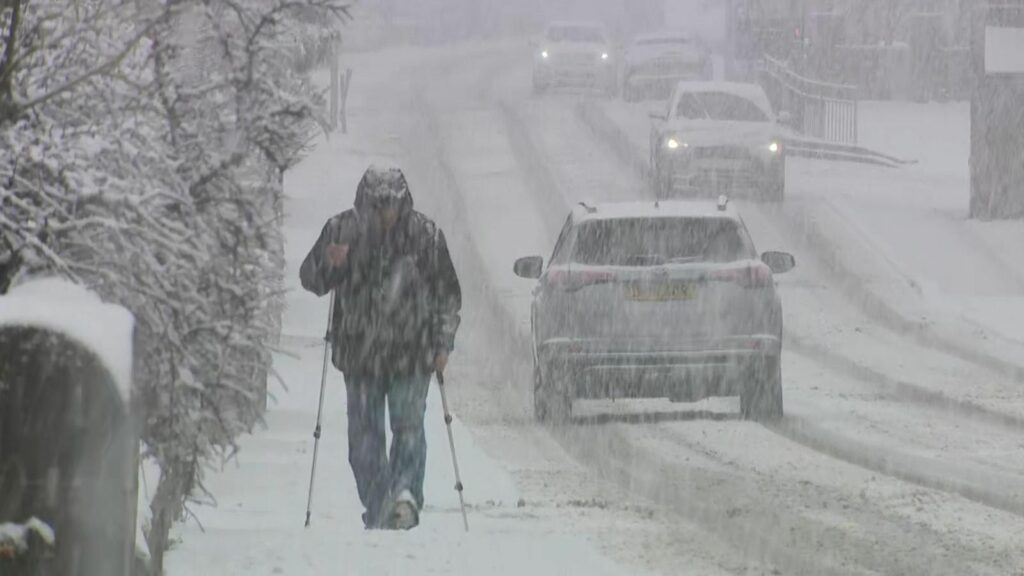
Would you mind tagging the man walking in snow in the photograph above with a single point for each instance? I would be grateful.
(396, 310)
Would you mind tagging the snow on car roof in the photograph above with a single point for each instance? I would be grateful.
(69, 309)
(752, 92)
(661, 209)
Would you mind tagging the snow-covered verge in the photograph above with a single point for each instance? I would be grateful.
(963, 269)
(256, 527)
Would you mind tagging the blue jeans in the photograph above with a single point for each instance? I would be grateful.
(377, 474)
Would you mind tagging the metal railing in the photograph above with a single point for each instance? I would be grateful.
(817, 109)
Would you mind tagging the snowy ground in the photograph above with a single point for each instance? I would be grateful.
(903, 447)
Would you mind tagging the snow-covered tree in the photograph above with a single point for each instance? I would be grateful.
(142, 145)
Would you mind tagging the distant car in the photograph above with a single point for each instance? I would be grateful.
(575, 54)
(646, 300)
(719, 138)
(655, 63)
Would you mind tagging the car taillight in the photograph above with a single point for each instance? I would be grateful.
(572, 280)
(752, 276)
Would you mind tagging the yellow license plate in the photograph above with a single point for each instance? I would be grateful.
(661, 292)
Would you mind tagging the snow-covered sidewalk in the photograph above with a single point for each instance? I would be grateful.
(257, 524)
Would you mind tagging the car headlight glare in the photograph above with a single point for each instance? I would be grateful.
(544, 54)
(604, 56)
(672, 144)
(774, 147)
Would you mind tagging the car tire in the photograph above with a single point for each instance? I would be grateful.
(761, 400)
(551, 402)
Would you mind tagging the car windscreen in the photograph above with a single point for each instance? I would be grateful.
(657, 241)
(718, 106)
(575, 34)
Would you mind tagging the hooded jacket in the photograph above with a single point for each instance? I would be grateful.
(397, 297)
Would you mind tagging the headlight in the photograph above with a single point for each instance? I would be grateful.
(544, 54)
(673, 144)
(604, 55)
(774, 147)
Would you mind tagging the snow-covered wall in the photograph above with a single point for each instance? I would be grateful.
(61, 306)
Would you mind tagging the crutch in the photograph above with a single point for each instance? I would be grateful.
(320, 409)
(451, 443)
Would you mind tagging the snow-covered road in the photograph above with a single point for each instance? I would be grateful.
(902, 451)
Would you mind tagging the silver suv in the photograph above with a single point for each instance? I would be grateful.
(647, 300)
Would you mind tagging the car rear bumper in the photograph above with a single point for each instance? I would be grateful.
(596, 369)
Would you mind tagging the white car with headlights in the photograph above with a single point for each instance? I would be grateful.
(718, 138)
(574, 54)
(654, 63)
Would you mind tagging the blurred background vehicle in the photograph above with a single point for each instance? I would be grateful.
(574, 54)
(718, 138)
(654, 63)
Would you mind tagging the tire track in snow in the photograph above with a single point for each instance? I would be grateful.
(805, 225)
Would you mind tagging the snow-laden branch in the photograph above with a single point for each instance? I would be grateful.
(102, 68)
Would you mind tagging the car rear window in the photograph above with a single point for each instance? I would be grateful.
(656, 241)
(718, 106)
(575, 34)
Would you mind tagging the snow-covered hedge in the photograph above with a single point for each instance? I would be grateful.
(142, 145)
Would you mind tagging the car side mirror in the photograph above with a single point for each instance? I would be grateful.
(530, 267)
(779, 262)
